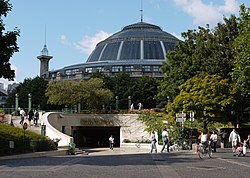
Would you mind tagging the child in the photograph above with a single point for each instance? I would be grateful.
(239, 150)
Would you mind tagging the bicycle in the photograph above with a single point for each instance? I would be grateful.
(138, 142)
(204, 151)
(174, 147)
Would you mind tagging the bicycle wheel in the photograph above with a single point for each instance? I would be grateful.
(200, 152)
(209, 152)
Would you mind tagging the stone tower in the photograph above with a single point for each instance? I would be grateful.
(44, 60)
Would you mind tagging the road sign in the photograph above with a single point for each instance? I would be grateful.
(25, 126)
(181, 115)
(180, 119)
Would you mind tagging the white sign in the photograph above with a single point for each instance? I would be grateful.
(191, 116)
(181, 115)
(180, 119)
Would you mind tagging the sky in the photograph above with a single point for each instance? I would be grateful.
(71, 29)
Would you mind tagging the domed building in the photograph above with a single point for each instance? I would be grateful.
(138, 49)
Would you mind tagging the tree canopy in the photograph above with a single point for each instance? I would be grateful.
(241, 72)
(209, 97)
(90, 92)
(202, 52)
(8, 43)
(36, 87)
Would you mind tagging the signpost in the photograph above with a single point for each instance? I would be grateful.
(181, 117)
(25, 126)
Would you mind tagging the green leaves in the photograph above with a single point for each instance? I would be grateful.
(90, 92)
(8, 44)
(207, 96)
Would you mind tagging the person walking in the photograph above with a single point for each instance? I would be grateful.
(224, 138)
(22, 113)
(214, 138)
(153, 142)
(31, 115)
(165, 140)
(111, 142)
(36, 117)
(234, 138)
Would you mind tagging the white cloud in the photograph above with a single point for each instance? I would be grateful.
(64, 40)
(88, 43)
(231, 6)
(207, 13)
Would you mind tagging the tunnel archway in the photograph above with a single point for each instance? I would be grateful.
(96, 136)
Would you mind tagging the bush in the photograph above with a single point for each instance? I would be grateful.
(24, 141)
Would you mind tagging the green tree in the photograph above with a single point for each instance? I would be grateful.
(202, 52)
(90, 92)
(153, 121)
(144, 91)
(36, 87)
(241, 72)
(210, 97)
(8, 43)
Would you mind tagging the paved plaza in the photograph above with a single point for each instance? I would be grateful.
(126, 161)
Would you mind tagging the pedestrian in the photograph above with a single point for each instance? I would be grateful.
(153, 142)
(111, 142)
(165, 140)
(30, 117)
(248, 140)
(36, 117)
(140, 106)
(224, 138)
(22, 114)
(214, 138)
(132, 107)
(234, 138)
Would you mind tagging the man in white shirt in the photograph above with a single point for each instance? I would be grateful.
(234, 138)
(214, 137)
(22, 113)
(165, 140)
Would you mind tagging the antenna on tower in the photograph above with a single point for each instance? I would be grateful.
(141, 11)
(45, 50)
(45, 35)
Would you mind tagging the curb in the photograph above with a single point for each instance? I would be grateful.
(36, 154)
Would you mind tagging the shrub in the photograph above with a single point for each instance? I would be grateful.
(24, 141)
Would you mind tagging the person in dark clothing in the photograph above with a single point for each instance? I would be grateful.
(31, 115)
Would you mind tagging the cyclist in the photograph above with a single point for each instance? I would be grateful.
(204, 138)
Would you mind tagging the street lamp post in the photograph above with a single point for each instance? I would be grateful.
(116, 102)
(29, 101)
(16, 104)
(129, 102)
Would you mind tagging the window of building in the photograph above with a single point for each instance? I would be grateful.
(146, 68)
(68, 72)
(129, 68)
(75, 71)
(99, 69)
(156, 68)
(89, 70)
(116, 68)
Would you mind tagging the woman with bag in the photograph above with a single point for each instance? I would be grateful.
(153, 142)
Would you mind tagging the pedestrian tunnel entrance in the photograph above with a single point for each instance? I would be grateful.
(96, 136)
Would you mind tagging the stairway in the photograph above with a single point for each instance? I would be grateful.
(31, 127)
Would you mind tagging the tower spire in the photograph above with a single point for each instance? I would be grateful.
(141, 11)
(44, 58)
